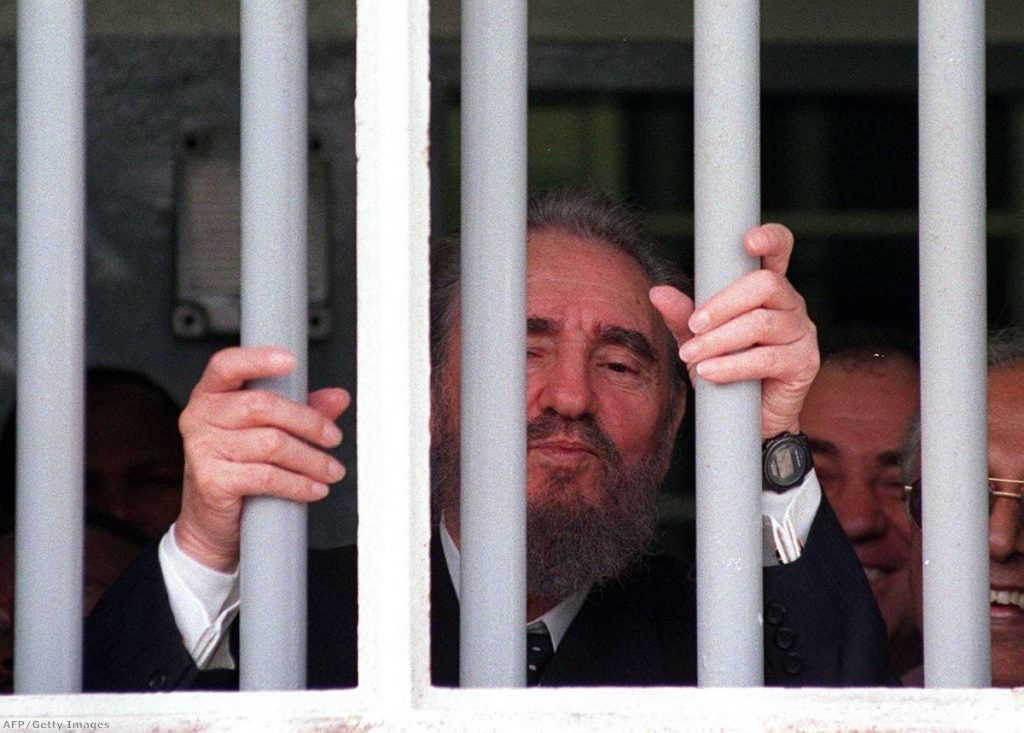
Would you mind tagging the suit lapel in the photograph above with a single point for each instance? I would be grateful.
(612, 641)
(444, 621)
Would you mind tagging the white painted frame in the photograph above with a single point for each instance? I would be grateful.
(395, 694)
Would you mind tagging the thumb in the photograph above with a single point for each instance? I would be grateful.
(675, 308)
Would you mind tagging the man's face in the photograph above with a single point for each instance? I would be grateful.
(1005, 529)
(598, 408)
(856, 416)
(1006, 525)
(133, 457)
(595, 353)
(106, 557)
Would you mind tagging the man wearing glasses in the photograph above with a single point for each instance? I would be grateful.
(1006, 514)
(856, 417)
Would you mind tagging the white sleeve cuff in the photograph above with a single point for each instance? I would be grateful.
(787, 520)
(204, 603)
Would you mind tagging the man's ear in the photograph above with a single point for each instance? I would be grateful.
(679, 409)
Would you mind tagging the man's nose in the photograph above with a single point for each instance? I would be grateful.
(1005, 537)
(858, 510)
(562, 385)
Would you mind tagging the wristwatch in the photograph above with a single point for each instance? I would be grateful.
(785, 461)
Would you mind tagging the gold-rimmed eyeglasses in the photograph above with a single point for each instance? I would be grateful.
(912, 494)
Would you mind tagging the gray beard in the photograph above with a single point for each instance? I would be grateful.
(571, 543)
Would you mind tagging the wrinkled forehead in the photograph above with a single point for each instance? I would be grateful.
(587, 283)
(1006, 417)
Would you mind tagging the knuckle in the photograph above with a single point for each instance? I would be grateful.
(186, 421)
(217, 367)
(764, 325)
(191, 418)
(812, 333)
(271, 443)
(773, 362)
(262, 478)
(257, 406)
(204, 482)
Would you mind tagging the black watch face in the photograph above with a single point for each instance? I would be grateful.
(785, 463)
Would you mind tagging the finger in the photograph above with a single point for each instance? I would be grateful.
(229, 369)
(675, 308)
(225, 486)
(794, 364)
(241, 410)
(758, 289)
(330, 402)
(272, 447)
(760, 327)
(773, 243)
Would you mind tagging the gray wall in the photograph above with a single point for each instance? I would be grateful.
(142, 95)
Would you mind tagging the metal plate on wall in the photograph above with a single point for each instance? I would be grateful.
(208, 237)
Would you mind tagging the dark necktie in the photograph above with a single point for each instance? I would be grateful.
(539, 651)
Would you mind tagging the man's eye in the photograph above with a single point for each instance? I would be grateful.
(892, 490)
(620, 368)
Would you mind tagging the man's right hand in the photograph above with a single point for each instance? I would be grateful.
(242, 443)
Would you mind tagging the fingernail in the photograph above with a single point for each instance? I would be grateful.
(331, 434)
(335, 470)
(699, 321)
(320, 491)
(688, 350)
(280, 358)
(705, 370)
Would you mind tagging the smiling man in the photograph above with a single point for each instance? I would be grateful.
(606, 318)
(1006, 513)
(856, 417)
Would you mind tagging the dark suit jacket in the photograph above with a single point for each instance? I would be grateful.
(822, 626)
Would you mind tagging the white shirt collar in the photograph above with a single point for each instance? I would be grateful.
(557, 619)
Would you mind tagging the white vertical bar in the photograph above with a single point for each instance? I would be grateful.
(274, 302)
(393, 208)
(493, 367)
(951, 69)
(727, 203)
(51, 324)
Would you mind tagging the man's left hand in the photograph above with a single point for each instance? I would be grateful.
(755, 328)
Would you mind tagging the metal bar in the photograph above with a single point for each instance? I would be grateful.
(393, 208)
(274, 140)
(951, 69)
(726, 205)
(493, 367)
(51, 364)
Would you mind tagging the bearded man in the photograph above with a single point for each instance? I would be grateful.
(605, 396)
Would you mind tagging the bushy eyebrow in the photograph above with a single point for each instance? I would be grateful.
(540, 326)
(886, 458)
(627, 338)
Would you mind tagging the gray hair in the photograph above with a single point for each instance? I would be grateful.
(858, 342)
(1005, 351)
(587, 214)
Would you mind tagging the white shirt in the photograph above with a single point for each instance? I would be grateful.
(205, 601)
(556, 619)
